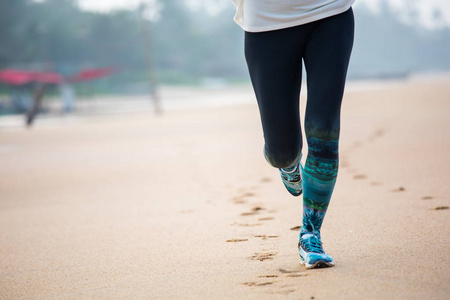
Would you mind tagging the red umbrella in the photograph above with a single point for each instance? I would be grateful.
(90, 74)
(20, 77)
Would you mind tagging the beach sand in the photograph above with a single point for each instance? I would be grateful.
(184, 206)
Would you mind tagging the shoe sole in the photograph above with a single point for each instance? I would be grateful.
(296, 194)
(318, 264)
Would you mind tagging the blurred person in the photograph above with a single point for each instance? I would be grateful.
(278, 35)
(38, 97)
(67, 96)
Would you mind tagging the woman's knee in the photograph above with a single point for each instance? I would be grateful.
(281, 158)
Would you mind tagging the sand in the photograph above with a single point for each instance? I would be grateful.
(184, 206)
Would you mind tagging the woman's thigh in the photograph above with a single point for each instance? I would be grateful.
(274, 63)
(326, 57)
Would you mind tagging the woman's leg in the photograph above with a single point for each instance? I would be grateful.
(274, 63)
(326, 57)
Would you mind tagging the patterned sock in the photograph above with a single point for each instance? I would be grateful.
(319, 177)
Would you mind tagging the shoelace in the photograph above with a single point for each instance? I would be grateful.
(313, 244)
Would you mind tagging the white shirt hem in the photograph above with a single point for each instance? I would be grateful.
(295, 23)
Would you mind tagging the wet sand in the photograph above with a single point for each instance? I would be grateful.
(184, 206)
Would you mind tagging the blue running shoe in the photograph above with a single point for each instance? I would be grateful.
(311, 251)
(292, 180)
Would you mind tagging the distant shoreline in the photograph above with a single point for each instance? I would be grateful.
(190, 97)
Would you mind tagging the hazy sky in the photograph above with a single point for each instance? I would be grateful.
(425, 7)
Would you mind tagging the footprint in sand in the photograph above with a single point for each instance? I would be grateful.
(268, 276)
(360, 176)
(265, 219)
(263, 256)
(344, 164)
(266, 179)
(248, 213)
(427, 198)
(441, 208)
(247, 224)
(265, 237)
(297, 275)
(255, 210)
(238, 200)
(283, 271)
(241, 199)
(296, 228)
(258, 208)
(236, 240)
(257, 284)
(377, 134)
(375, 183)
(399, 189)
(289, 273)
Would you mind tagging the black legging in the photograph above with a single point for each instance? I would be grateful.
(274, 61)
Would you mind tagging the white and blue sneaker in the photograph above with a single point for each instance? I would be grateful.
(311, 251)
(292, 179)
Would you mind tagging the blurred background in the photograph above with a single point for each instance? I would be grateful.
(65, 56)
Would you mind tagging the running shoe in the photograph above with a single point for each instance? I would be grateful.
(292, 180)
(311, 251)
